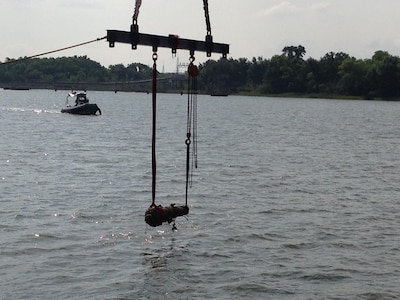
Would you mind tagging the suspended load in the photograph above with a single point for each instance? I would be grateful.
(156, 215)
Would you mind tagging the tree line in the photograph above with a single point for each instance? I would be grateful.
(68, 70)
(336, 73)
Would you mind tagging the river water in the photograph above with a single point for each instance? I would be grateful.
(292, 199)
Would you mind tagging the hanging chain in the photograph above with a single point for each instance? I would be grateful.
(191, 129)
(153, 140)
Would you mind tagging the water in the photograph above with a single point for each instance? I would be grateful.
(293, 199)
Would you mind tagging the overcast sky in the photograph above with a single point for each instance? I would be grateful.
(253, 28)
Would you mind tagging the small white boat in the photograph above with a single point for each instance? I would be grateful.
(82, 105)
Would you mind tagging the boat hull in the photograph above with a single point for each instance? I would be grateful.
(83, 109)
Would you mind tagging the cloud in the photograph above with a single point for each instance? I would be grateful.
(321, 6)
(283, 8)
(79, 4)
(288, 8)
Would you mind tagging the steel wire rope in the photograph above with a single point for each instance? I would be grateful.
(153, 139)
(50, 52)
(136, 12)
(207, 15)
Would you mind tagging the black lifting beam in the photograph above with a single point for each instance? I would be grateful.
(173, 42)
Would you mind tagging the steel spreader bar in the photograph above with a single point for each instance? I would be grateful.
(173, 42)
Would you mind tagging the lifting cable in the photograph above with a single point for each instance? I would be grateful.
(138, 3)
(53, 51)
(153, 139)
(191, 124)
(155, 215)
(207, 15)
(136, 12)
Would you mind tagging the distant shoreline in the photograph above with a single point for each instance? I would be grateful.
(126, 88)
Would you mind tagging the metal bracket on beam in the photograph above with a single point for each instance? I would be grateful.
(172, 42)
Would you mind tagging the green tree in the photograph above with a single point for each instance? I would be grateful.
(225, 76)
(287, 72)
(328, 71)
(384, 74)
(353, 77)
(275, 79)
(256, 71)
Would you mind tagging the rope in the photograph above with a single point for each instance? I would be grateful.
(153, 140)
(53, 51)
(136, 12)
(207, 15)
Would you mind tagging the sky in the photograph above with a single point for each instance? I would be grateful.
(252, 28)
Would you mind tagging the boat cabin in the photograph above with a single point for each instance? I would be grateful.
(81, 98)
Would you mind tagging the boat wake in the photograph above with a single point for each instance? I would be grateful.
(35, 110)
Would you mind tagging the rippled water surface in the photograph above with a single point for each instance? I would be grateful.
(293, 199)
